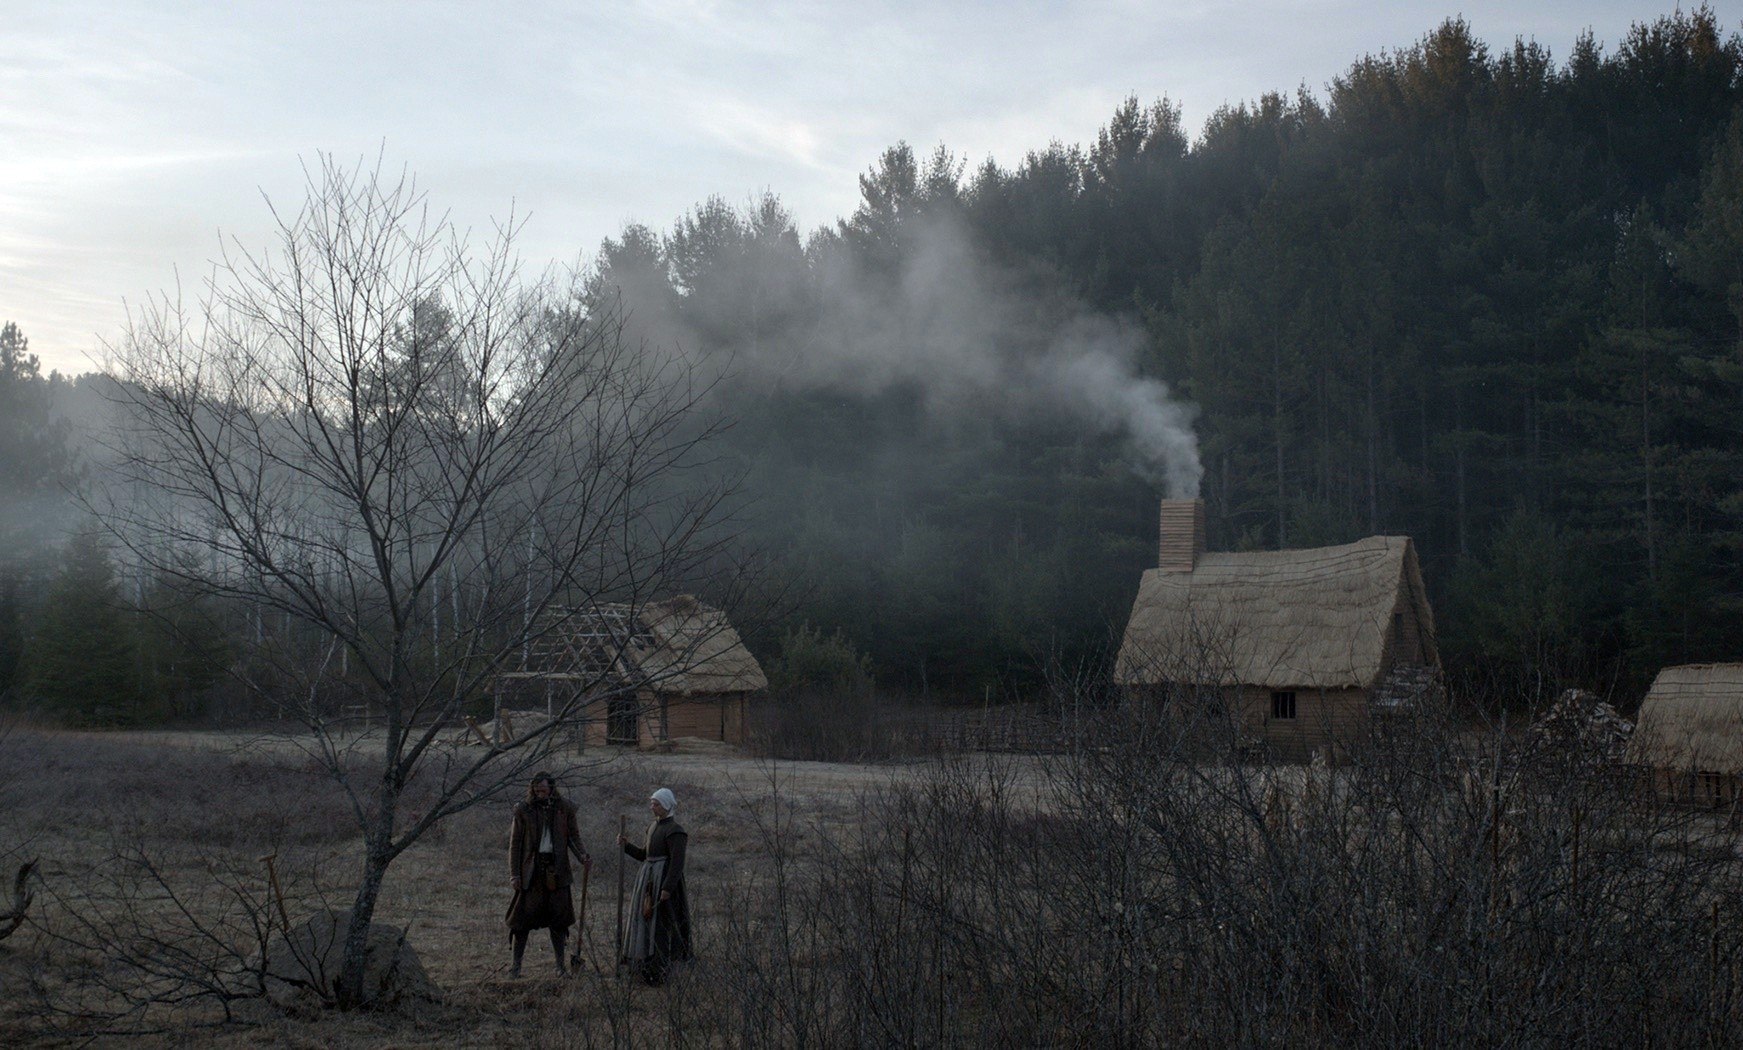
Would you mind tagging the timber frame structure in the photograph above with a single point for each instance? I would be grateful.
(643, 674)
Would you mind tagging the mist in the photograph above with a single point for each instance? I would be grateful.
(971, 336)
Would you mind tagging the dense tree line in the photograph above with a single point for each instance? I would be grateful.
(1489, 299)
(83, 638)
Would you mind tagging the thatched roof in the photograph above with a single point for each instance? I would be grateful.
(1296, 619)
(682, 646)
(1692, 718)
(697, 651)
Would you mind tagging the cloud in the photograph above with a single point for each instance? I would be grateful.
(595, 113)
(760, 131)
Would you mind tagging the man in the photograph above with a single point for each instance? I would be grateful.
(542, 839)
(657, 930)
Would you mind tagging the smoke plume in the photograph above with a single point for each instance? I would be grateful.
(965, 331)
(969, 336)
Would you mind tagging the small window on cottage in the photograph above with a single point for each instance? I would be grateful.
(1713, 786)
(1283, 704)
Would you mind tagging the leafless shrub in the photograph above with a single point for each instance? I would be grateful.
(1444, 884)
(823, 725)
(1447, 882)
(153, 900)
(143, 937)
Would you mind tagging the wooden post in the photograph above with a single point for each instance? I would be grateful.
(581, 931)
(620, 856)
(278, 894)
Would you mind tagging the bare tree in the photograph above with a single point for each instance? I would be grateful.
(397, 458)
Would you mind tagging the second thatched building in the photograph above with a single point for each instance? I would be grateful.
(1689, 733)
(1296, 649)
(642, 674)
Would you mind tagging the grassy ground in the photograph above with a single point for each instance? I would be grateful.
(207, 807)
(1433, 890)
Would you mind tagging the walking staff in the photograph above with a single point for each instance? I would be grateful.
(581, 928)
(620, 826)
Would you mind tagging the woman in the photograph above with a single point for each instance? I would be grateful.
(540, 842)
(657, 931)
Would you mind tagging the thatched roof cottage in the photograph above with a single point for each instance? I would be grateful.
(1297, 646)
(1690, 732)
(661, 670)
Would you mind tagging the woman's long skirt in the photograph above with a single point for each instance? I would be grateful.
(656, 933)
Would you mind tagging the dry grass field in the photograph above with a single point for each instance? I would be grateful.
(1438, 887)
(206, 807)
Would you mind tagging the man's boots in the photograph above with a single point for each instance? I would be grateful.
(520, 949)
(557, 939)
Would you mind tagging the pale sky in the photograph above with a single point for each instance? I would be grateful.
(133, 133)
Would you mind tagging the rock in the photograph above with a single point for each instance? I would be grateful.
(303, 965)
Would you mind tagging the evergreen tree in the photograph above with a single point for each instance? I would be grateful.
(33, 444)
(35, 460)
(183, 646)
(82, 658)
(1475, 297)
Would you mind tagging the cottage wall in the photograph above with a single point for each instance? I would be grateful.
(708, 717)
(618, 719)
(651, 730)
(1704, 789)
(1325, 720)
(735, 725)
(1404, 643)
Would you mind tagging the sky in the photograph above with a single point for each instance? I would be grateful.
(137, 136)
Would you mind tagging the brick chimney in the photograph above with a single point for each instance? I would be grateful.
(1182, 534)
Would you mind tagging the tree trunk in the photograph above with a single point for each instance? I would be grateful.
(1646, 470)
(1373, 443)
(1460, 513)
(377, 856)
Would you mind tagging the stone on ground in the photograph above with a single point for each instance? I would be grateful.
(303, 965)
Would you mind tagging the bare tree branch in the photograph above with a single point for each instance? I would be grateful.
(394, 456)
(22, 895)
